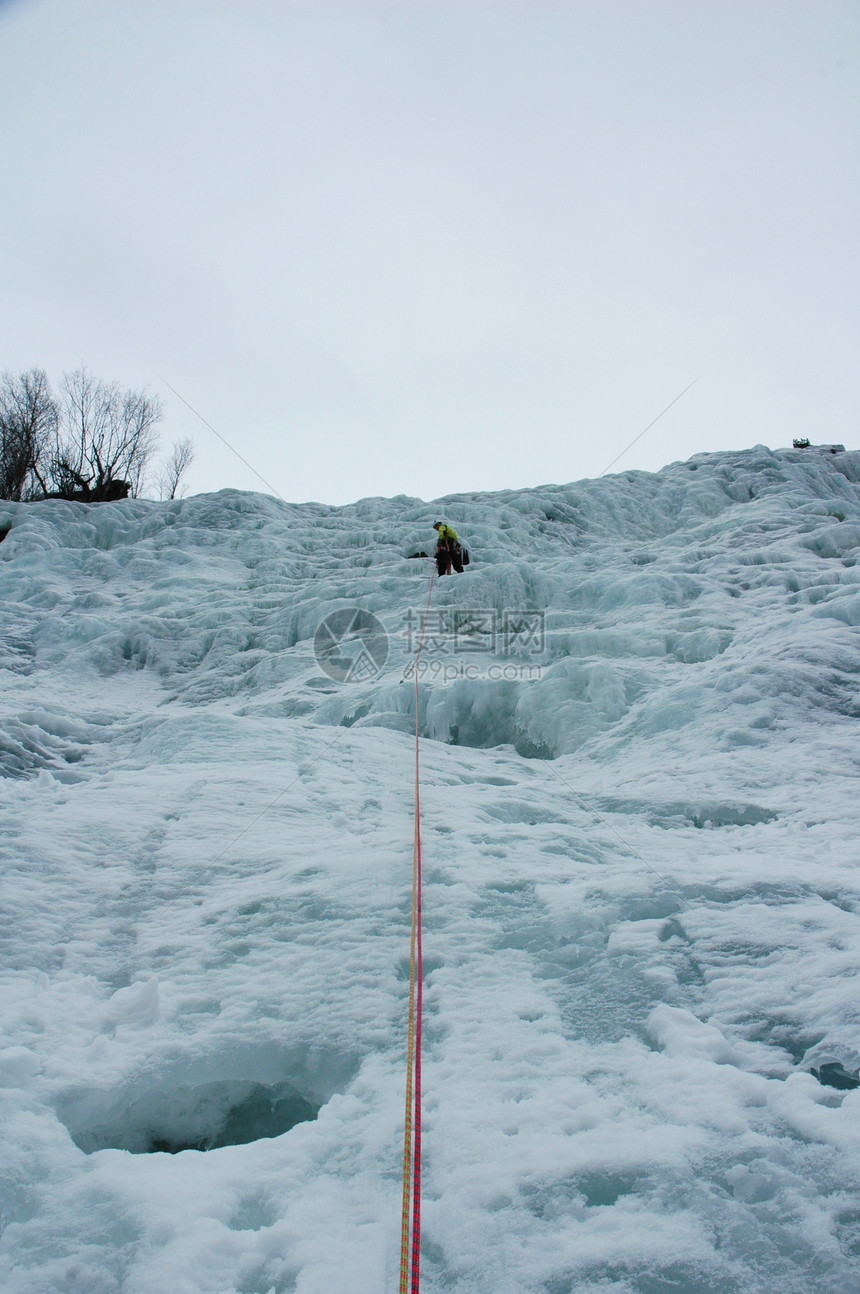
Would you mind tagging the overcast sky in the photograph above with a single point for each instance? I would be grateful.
(423, 246)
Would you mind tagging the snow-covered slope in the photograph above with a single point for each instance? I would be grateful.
(640, 796)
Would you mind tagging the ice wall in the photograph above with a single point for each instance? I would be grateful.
(642, 889)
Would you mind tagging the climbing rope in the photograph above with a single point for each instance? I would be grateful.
(410, 1255)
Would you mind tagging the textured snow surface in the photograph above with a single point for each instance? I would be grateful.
(642, 891)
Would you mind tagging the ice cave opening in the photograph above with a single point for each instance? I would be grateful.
(203, 1117)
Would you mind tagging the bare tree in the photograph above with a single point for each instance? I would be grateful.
(174, 469)
(28, 423)
(105, 439)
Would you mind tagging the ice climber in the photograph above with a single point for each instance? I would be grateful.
(449, 552)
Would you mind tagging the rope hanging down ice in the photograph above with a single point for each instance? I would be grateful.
(410, 1262)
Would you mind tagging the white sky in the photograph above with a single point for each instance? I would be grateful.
(421, 247)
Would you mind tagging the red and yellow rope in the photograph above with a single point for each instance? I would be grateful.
(410, 1263)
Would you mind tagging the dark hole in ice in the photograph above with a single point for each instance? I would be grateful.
(264, 1112)
(833, 1074)
(602, 1191)
(204, 1117)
